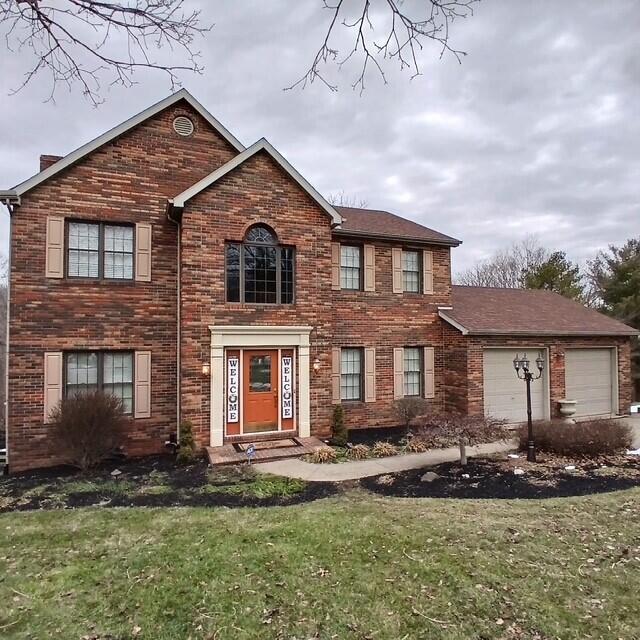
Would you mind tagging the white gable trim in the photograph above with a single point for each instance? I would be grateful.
(463, 330)
(181, 199)
(88, 148)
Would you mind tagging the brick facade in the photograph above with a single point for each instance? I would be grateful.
(384, 320)
(257, 191)
(130, 180)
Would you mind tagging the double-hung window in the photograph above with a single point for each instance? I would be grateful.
(350, 267)
(259, 270)
(108, 371)
(351, 374)
(413, 370)
(411, 269)
(97, 250)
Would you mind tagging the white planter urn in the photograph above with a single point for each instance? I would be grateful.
(567, 410)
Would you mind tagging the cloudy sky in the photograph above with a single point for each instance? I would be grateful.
(537, 131)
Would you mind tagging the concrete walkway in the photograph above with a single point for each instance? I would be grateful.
(296, 468)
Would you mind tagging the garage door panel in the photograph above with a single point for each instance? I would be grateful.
(505, 396)
(589, 380)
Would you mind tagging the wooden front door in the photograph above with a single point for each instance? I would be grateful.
(260, 387)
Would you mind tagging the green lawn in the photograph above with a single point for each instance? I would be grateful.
(351, 566)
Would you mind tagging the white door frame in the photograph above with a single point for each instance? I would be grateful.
(257, 337)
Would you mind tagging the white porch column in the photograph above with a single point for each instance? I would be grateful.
(304, 403)
(216, 400)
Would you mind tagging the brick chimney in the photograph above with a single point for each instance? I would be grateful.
(46, 161)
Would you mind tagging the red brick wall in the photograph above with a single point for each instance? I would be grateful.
(257, 191)
(474, 402)
(384, 320)
(127, 180)
(456, 385)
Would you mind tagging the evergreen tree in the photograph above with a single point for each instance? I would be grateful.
(556, 273)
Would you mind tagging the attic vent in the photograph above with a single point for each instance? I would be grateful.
(183, 126)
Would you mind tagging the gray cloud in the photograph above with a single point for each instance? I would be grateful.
(535, 132)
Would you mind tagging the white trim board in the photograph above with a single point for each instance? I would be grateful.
(94, 144)
(257, 336)
(181, 199)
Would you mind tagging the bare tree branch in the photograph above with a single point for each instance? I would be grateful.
(73, 40)
(342, 199)
(405, 28)
(507, 267)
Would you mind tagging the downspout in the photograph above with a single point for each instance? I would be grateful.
(10, 202)
(178, 319)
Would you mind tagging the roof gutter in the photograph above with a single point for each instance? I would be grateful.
(383, 236)
(9, 198)
(462, 329)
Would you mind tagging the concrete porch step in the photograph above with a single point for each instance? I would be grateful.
(266, 451)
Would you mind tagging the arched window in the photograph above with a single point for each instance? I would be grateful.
(260, 234)
(259, 270)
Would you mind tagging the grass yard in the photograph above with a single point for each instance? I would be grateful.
(354, 565)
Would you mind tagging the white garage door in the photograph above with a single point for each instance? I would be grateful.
(589, 380)
(505, 396)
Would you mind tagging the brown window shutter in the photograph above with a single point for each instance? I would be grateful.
(369, 267)
(54, 258)
(335, 375)
(52, 382)
(398, 373)
(427, 271)
(335, 266)
(143, 384)
(369, 374)
(143, 252)
(396, 263)
(429, 373)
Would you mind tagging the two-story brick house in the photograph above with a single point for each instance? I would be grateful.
(200, 280)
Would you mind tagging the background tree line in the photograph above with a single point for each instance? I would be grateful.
(609, 283)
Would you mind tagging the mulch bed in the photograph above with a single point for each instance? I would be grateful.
(371, 435)
(494, 478)
(146, 482)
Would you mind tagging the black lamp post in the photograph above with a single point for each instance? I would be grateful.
(521, 365)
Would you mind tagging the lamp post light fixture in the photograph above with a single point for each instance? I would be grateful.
(522, 367)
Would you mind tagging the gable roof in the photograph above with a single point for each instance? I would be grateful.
(382, 224)
(527, 312)
(181, 199)
(94, 144)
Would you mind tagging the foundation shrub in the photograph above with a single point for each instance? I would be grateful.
(359, 452)
(406, 410)
(322, 455)
(89, 428)
(187, 444)
(451, 429)
(339, 430)
(383, 449)
(415, 444)
(582, 439)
